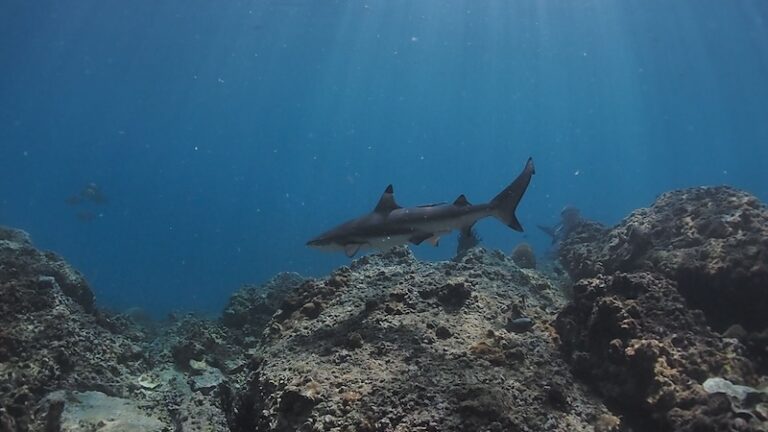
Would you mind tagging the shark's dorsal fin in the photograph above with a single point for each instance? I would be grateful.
(387, 201)
(461, 201)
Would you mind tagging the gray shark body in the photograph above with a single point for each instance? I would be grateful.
(390, 225)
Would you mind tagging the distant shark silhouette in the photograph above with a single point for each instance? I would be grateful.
(391, 225)
(570, 217)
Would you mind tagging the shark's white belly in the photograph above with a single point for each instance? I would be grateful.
(388, 242)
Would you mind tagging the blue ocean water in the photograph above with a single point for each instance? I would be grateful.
(226, 134)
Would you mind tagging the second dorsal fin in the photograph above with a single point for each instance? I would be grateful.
(461, 201)
(387, 201)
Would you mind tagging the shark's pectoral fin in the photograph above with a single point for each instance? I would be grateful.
(418, 238)
(435, 240)
(351, 249)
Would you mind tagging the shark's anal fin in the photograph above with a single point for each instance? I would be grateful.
(387, 201)
(351, 249)
(461, 201)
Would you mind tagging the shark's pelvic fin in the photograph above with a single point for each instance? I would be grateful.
(387, 201)
(419, 237)
(505, 203)
(461, 201)
(351, 249)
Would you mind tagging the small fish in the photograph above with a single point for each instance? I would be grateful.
(391, 225)
(93, 193)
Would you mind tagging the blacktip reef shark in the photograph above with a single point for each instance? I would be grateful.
(390, 225)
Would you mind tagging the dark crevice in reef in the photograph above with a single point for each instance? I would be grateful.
(727, 299)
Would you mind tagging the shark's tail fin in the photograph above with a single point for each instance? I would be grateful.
(505, 203)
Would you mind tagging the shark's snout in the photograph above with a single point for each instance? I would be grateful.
(317, 242)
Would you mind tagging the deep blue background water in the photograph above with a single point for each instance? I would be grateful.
(227, 133)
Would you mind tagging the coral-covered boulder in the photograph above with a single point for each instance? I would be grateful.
(524, 256)
(712, 241)
(404, 345)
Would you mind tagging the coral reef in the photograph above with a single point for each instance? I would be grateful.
(388, 343)
(663, 328)
(633, 337)
(66, 366)
(48, 338)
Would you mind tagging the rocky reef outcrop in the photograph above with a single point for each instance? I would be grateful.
(653, 298)
(712, 241)
(394, 344)
(20, 260)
